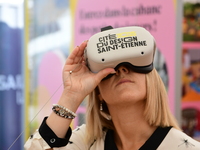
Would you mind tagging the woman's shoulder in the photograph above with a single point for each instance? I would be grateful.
(178, 140)
(178, 134)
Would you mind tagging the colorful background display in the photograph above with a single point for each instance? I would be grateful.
(191, 69)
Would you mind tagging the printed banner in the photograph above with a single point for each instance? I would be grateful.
(11, 76)
(11, 86)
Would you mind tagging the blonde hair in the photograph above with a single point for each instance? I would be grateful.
(156, 113)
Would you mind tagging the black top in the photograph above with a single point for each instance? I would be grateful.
(53, 141)
(151, 144)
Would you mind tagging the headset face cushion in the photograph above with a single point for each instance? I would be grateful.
(131, 46)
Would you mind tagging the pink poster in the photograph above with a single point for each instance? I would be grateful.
(156, 16)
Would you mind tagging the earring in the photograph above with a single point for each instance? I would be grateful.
(101, 106)
(105, 115)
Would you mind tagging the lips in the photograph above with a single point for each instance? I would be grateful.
(121, 81)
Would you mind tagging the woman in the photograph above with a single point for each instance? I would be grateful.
(128, 111)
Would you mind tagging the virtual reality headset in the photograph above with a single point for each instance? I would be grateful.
(131, 46)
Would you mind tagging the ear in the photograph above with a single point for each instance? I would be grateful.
(100, 97)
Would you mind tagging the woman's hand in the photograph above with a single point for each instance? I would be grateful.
(78, 83)
(77, 78)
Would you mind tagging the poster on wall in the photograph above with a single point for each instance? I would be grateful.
(191, 69)
(154, 15)
(191, 20)
(11, 75)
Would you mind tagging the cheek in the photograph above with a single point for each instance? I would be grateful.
(142, 86)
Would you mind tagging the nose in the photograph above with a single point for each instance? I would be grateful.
(122, 70)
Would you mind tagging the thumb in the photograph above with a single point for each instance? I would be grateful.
(103, 73)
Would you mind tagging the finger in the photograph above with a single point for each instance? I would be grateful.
(76, 54)
(80, 54)
(72, 56)
(103, 73)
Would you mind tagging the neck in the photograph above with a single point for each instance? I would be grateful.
(131, 129)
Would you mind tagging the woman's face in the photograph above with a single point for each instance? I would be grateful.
(124, 86)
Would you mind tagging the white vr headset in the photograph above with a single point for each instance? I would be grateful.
(132, 46)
